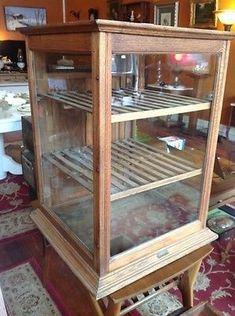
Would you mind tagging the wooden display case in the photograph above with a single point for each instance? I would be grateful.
(119, 200)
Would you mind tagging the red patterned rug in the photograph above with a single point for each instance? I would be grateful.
(14, 194)
(15, 208)
(215, 283)
(15, 224)
(24, 293)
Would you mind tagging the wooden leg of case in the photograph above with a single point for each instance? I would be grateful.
(96, 306)
(186, 284)
(113, 309)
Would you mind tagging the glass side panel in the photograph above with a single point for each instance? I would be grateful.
(63, 87)
(150, 214)
(160, 112)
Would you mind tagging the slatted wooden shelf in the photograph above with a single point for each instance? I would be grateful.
(127, 106)
(136, 167)
(81, 101)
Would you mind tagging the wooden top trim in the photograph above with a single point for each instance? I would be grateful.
(127, 28)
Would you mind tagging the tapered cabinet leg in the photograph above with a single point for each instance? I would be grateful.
(186, 284)
(113, 309)
(96, 306)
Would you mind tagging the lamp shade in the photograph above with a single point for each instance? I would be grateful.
(227, 17)
(179, 59)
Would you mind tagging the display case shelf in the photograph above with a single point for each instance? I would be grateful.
(151, 103)
(128, 105)
(81, 101)
(137, 167)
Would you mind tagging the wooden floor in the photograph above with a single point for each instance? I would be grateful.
(68, 287)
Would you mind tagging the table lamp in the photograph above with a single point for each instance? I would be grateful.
(226, 17)
(178, 62)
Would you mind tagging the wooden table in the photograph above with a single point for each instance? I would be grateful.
(10, 121)
(181, 273)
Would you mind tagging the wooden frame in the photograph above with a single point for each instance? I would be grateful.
(23, 16)
(166, 14)
(202, 13)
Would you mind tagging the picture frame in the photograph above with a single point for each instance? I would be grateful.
(23, 17)
(166, 14)
(113, 9)
(202, 14)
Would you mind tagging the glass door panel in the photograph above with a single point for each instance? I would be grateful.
(160, 109)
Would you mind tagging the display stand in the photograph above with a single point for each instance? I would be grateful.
(181, 273)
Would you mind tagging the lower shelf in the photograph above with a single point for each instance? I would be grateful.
(136, 167)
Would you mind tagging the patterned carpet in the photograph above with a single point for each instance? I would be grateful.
(15, 223)
(14, 208)
(14, 194)
(24, 293)
(215, 284)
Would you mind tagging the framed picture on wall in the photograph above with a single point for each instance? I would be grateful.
(202, 13)
(23, 16)
(166, 14)
(113, 9)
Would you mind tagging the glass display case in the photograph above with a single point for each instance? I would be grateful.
(123, 175)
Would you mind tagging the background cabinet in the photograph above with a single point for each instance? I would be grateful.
(121, 193)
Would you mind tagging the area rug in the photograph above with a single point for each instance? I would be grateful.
(24, 293)
(15, 223)
(215, 283)
(14, 194)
